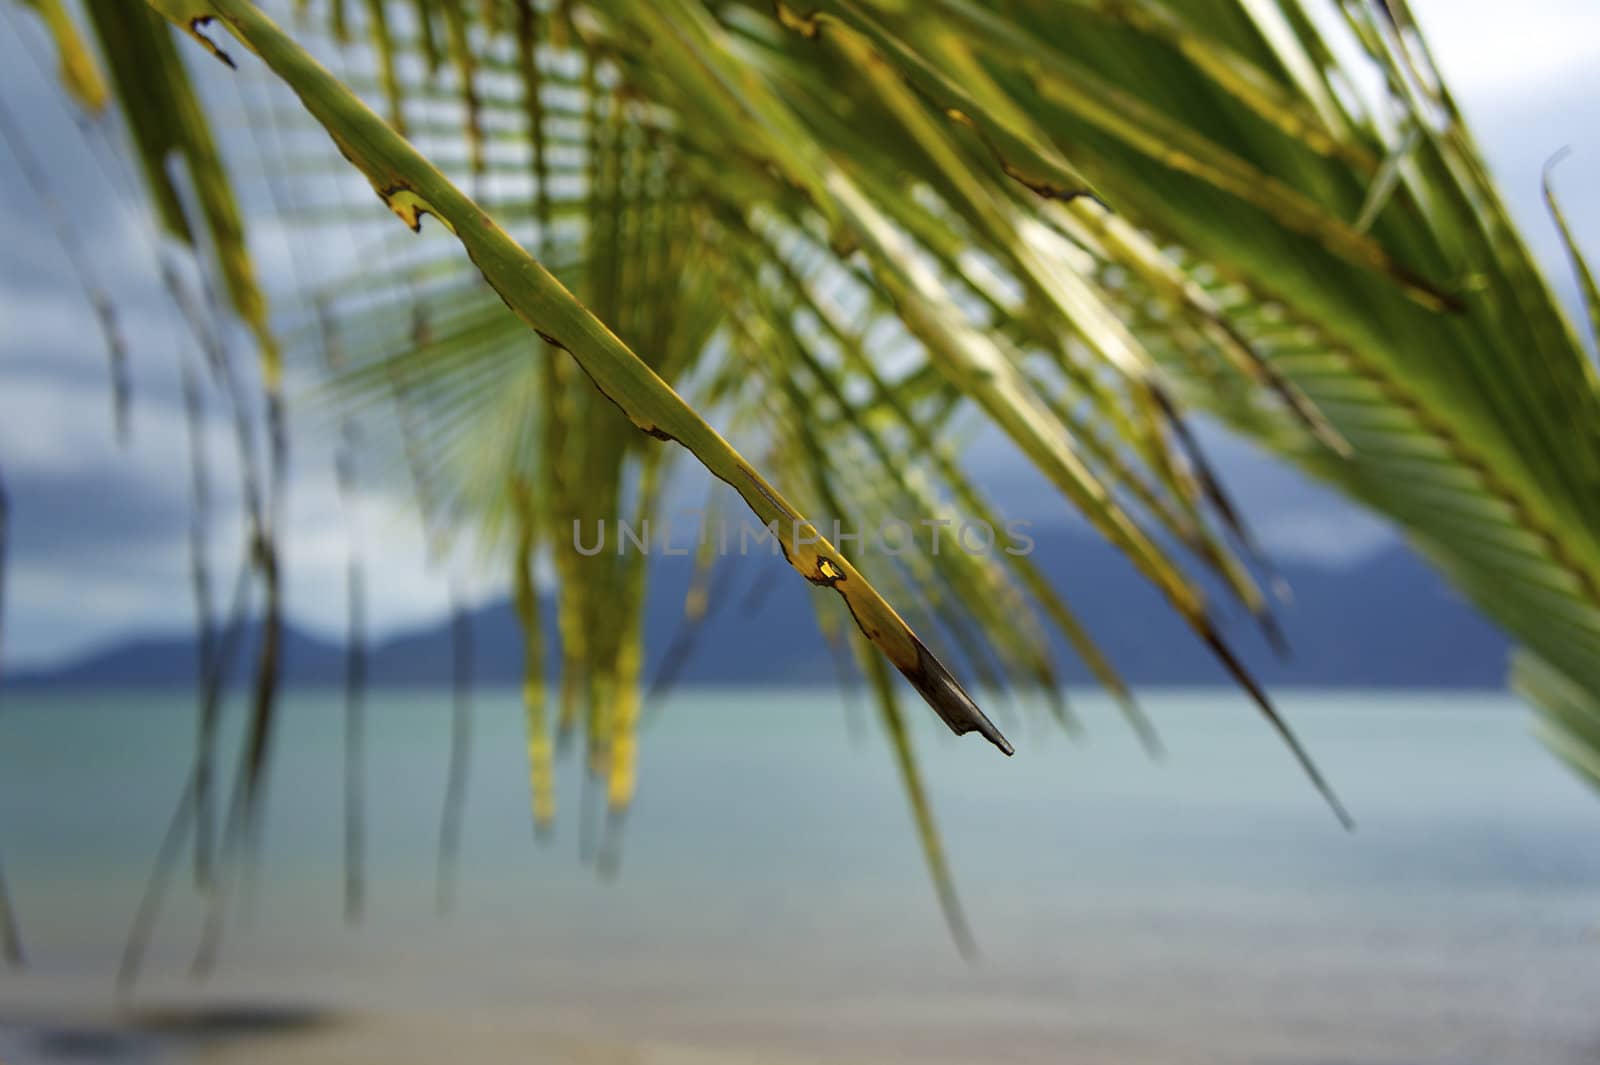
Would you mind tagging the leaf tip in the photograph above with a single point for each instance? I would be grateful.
(1551, 163)
(950, 701)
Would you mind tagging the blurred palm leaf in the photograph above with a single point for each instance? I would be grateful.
(852, 231)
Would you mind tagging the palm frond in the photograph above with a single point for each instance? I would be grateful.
(848, 231)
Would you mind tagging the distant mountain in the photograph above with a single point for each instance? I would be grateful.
(1387, 622)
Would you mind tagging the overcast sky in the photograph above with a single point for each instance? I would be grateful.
(98, 529)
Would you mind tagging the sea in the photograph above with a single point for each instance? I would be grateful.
(766, 898)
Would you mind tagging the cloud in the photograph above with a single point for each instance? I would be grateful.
(1491, 54)
(99, 529)
(100, 536)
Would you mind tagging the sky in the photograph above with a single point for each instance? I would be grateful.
(99, 528)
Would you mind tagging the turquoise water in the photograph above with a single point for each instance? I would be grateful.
(771, 897)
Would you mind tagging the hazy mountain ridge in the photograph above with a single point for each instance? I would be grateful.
(1387, 622)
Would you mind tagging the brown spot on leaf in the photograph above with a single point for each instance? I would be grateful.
(194, 31)
(406, 204)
